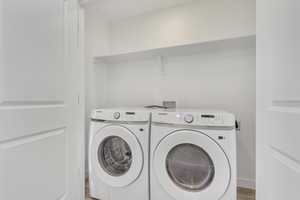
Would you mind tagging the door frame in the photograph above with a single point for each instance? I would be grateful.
(75, 48)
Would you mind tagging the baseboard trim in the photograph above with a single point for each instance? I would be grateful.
(246, 183)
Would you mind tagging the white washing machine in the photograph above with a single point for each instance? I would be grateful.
(118, 154)
(193, 156)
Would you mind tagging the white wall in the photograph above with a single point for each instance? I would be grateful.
(201, 20)
(197, 21)
(97, 33)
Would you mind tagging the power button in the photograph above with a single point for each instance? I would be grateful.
(189, 118)
(117, 115)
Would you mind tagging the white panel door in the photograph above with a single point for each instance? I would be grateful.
(278, 99)
(39, 101)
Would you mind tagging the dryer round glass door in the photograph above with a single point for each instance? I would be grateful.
(191, 165)
(116, 156)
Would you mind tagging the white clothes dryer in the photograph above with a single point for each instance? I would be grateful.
(193, 155)
(118, 154)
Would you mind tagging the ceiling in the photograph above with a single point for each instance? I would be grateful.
(117, 9)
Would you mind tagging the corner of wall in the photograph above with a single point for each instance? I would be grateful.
(246, 183)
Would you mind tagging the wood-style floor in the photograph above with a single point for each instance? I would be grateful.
(246, 194)
(243, 194)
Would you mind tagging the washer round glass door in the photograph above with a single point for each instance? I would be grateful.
(191, 165)
(117, 156)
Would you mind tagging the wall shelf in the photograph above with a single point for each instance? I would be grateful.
(182, 50)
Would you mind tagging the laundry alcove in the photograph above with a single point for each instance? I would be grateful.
(198, 53)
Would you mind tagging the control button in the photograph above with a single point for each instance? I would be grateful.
(117, 115)
(189, 118)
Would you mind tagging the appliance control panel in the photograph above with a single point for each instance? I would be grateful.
(120, 115)
(215, 119)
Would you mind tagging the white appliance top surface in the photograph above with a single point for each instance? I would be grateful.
(180, 116)
(195, 117)
(140, 109)
(192, 110)
(158, 110)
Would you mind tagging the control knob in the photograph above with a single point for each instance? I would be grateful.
(117, 115)
(189, 118)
